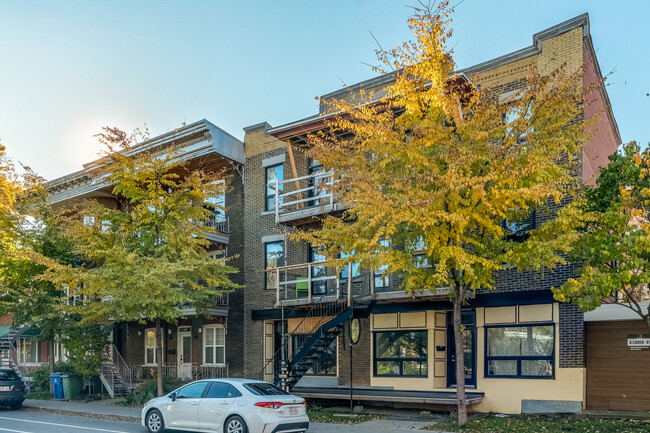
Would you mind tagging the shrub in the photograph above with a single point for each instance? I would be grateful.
(149, 389)
(40, 377)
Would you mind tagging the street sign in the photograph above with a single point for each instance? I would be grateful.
(638, 342)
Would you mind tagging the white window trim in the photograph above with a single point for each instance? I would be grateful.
(214, 364)
(155, 346)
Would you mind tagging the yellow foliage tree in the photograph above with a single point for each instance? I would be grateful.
(447, 173)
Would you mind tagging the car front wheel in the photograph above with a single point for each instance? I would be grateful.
(154, 421)
(235, 424)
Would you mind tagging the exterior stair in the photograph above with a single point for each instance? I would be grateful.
(313, 348)
(8, 352)
(115, 375)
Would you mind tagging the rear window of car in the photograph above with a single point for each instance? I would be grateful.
(261, 388)
(8, 375)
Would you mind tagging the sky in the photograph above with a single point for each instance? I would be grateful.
(68, 68)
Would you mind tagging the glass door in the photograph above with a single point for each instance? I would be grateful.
(184, 353)
(468, 319)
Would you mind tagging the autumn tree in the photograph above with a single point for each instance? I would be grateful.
(29, 228)
(146, 259)
(613, 242)
(438, 178)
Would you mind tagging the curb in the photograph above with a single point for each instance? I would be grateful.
(104, 416)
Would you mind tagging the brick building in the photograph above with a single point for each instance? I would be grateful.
(196, 346)
(294, 307)
(402, 350)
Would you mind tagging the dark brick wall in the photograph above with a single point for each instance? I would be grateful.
(360, 356)
(572, 337)
(235, 351)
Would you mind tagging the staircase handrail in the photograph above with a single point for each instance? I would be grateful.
(315, 311)
(122, 367)
(323, 325)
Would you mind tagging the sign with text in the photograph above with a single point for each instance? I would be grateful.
(638, 342)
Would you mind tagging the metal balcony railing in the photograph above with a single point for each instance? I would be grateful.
(311, 282)
(220, 223)
(313, 191)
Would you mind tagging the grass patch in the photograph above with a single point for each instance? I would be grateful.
(318, 414)
(39, 395)
(544, 424)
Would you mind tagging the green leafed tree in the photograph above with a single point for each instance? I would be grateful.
(30, 229)
(613, 238)
(437, 193)
(145, 259)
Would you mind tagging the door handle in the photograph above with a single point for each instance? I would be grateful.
(194, 403)
(225, 403)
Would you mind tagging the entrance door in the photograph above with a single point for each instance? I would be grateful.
(468, 319)
(184, 352)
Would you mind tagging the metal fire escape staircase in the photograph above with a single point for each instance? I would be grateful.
(115, 374)
(321, 325)
(8, 352)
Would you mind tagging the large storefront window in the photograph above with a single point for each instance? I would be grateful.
(401, 353)
(520, 351)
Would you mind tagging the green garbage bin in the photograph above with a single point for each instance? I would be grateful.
(73, 384)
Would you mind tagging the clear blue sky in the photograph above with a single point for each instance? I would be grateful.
(67, 68)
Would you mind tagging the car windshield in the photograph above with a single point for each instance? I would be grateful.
(8, 375)
(262, 388)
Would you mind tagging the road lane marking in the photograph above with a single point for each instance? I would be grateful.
(14, 431)
(59, 425)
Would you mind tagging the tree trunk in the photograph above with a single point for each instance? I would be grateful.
(460, 361)
(159, 360)
(50, 358)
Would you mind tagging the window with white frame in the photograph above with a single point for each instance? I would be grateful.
(214, 345)
(30, 350)
(150, 346)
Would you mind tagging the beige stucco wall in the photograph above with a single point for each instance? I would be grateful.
(501, 395)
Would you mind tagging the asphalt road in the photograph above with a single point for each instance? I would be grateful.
(38, 422)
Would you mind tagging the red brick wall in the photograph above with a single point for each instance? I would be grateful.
(604, 140)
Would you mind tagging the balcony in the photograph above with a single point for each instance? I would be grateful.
(301, 199)
(221, 225)
(219, 307)
(308, 283)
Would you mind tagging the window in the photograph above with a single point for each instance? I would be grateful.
(520, 230)
(401, 353)
(520, 351)
(217, 204)
(264, 388)
(382, 280)
(319, 286)
(30, 350)
(325, 364)
(273, 258)
(8, 375)
(355, 267)
(272, 173)
(317, 182)
(214, 345)
(193, 390)
(222, 390)
(150, 346)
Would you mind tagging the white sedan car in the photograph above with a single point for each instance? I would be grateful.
(228, 406)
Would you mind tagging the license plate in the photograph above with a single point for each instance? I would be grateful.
(4, 388)
(293, 411)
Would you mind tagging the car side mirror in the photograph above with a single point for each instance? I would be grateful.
(173, 396)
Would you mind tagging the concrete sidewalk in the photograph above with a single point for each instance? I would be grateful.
(102, 409)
